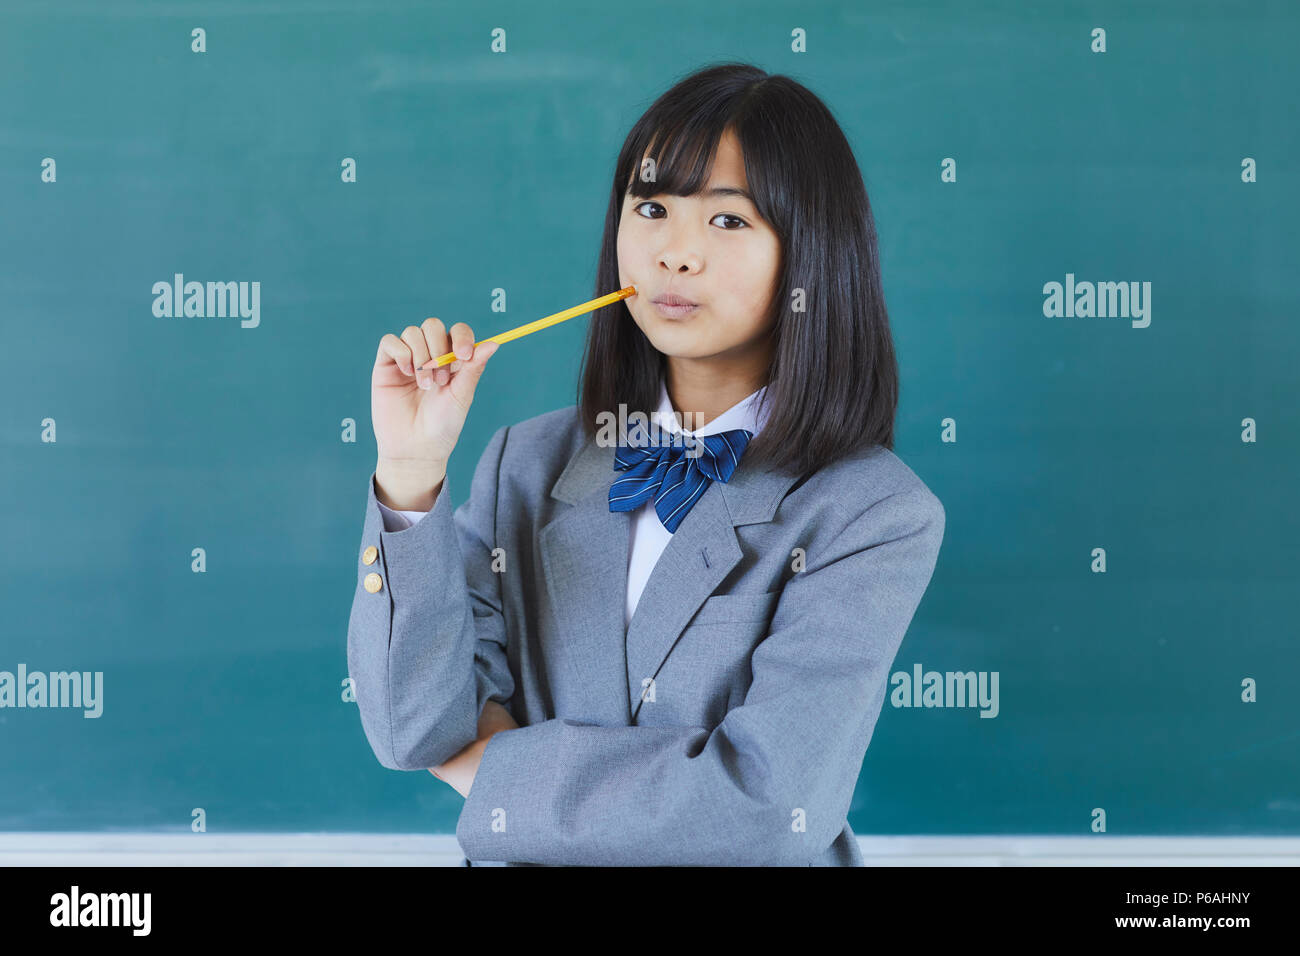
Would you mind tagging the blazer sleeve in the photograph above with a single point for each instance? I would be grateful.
(772, 783)
(427, 649)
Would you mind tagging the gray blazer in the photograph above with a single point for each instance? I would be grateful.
(726, 726)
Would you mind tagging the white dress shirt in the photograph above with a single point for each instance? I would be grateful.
(648, 536)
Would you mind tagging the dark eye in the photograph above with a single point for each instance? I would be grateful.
(727, 215)
(721, 215)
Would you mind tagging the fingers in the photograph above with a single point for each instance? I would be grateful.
(438, 343)
(462, 341)
(419, 345)
(416, 337)
(465, 382)
(390, 346)
(462, 346)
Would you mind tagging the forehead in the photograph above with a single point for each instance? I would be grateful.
(725, 172)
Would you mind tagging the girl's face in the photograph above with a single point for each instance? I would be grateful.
(712, 248)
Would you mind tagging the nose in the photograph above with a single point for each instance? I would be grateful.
(680, 252)
(680, 261)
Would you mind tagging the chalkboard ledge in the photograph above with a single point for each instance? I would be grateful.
(402, 849)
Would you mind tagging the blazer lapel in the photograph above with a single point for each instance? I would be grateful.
(701, 552)
(584, 552)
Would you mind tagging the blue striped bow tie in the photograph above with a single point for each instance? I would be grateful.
(671, 471)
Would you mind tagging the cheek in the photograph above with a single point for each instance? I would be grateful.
(752, 281)
(766, 272)
(749, 289)
(626, 249)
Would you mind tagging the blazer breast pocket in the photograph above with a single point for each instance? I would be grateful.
(736, 608)
(708, 670)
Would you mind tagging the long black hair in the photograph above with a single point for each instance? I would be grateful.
(832, 385)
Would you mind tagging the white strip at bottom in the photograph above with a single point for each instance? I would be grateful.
(398, 849)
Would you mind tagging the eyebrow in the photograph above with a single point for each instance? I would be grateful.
(728, 191)
(716, 191)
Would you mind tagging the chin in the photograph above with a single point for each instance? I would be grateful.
(679, 352)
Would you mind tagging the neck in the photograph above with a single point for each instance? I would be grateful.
(705, 390)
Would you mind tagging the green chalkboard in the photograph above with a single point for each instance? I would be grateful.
(1003, 148)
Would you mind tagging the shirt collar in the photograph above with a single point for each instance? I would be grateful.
(744, 414)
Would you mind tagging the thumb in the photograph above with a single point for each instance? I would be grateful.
(465, 381)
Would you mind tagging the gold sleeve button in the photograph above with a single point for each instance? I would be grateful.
(373, 582)
(368, 556)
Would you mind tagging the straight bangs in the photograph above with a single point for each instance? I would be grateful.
(679, 158)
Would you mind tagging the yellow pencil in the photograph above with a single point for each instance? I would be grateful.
(531, 327)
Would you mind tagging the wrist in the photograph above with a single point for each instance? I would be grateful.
(408, 484)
